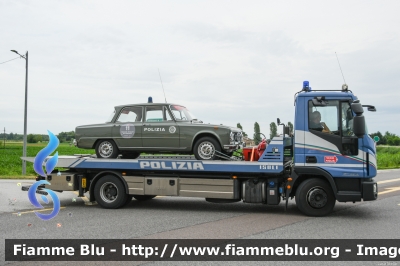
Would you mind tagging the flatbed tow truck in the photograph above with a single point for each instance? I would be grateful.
(316, 165)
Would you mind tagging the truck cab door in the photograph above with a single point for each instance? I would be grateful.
(330, 142)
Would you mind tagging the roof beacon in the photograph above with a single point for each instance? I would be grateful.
(306, 86)
(150, 100)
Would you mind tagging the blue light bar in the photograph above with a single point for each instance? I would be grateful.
(306, 86)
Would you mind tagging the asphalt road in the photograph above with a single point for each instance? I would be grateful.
(194, 218)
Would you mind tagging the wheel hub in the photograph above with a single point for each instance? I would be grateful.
(206, 150)
(106, 149)
(108, 192)
(317, 198)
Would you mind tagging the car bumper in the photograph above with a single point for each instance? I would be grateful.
(233, 147)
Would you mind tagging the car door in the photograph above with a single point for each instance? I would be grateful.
(160, 132)
(127, 128)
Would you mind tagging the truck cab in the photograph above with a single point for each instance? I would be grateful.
(331, 143)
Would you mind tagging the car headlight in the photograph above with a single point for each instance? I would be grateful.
(239, 137)
(232, 136)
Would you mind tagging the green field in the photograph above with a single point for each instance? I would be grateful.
(11, 164)
(388, 157)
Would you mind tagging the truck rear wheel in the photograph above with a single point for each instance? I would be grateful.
(110, 192)
(206, 148)
(314, 197)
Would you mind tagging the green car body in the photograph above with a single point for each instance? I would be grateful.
(157, 128)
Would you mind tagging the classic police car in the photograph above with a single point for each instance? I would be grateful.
(157, 128)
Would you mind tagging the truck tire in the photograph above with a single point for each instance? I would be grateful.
(106, 149)
(143, 197)
(206, 148)
(110, 193)
(128, 200)
(314, 197)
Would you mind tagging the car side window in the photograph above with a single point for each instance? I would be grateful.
(154, 114)
(130, 114)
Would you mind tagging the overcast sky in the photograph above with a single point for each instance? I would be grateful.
(228, 62)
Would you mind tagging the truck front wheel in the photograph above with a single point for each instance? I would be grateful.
(110, 192)
(314, 197)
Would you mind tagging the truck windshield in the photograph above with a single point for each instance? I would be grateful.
(347, 120)
(181, 113)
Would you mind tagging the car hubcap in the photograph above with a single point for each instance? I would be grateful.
(108, 192)
(105, 149)
(206, 150)
(317, 197)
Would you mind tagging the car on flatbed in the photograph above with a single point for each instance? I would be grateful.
(158, 128)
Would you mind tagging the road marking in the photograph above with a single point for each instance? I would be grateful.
(391, 189)
(388, 181)
(42, 210)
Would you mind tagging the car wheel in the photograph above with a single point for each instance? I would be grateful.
(110, 193)
(143, 197)
(314, 197)
(206, 148)
(130, 155)
(106, 149)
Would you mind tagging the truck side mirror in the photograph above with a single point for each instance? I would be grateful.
(357, 108)
(359, 126)
(358, 120)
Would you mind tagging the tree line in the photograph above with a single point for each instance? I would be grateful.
(273, 131)
(387, 139)
(35, 138)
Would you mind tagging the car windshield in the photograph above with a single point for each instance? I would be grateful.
(181, 113)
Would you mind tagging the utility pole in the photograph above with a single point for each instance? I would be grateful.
(25, 112)
(4, 138)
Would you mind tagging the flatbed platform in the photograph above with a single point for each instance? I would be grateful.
(167, 164)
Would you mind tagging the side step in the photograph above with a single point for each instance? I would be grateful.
(38, 191)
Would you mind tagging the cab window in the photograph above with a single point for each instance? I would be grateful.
(324, 118)
(130, 114)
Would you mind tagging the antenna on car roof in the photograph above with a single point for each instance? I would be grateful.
(344, 86)
(162, 85)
